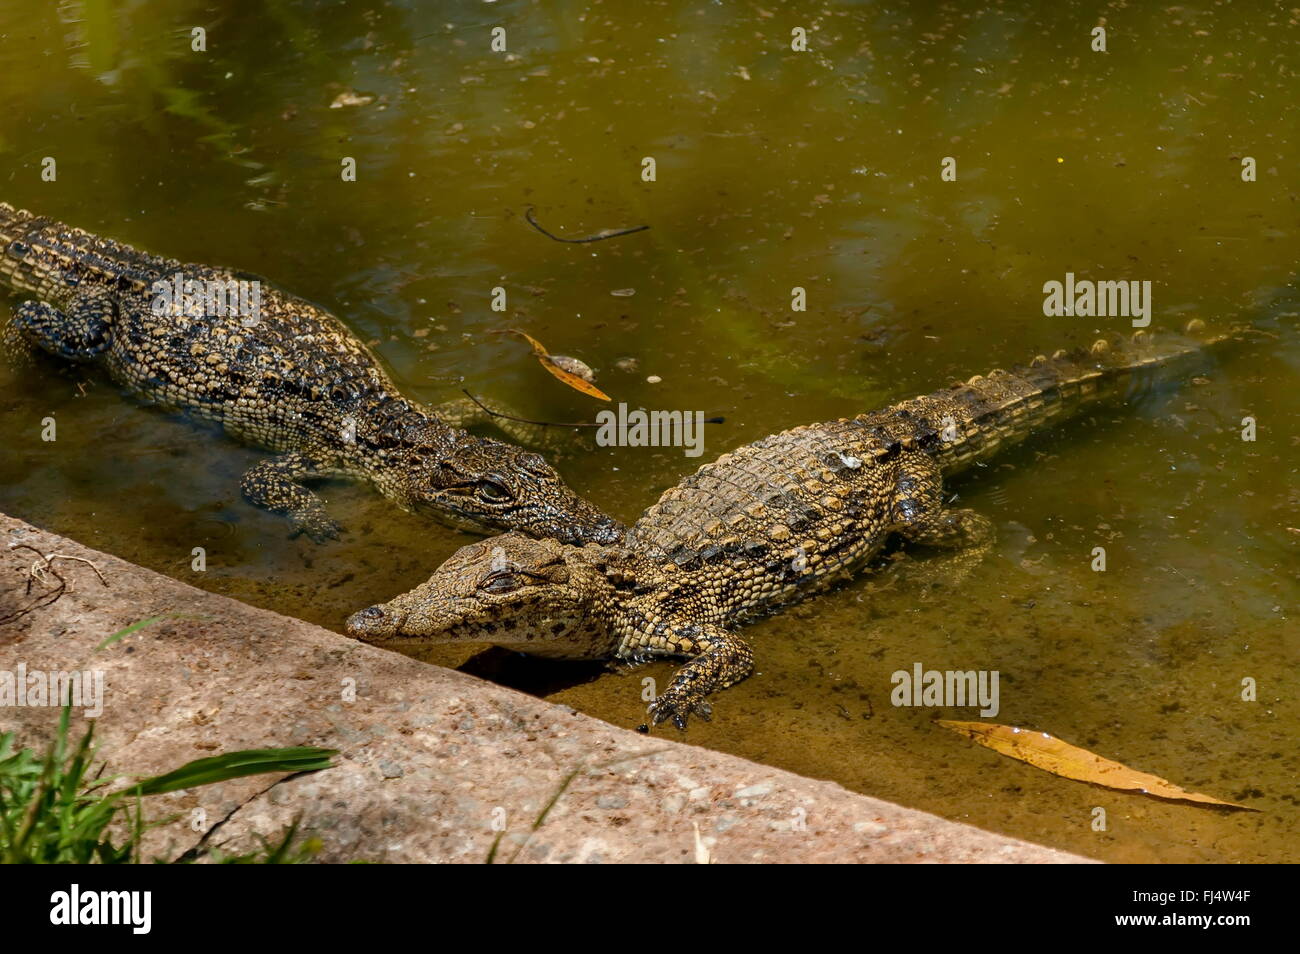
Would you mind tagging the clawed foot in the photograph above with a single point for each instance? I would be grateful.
(719, 659)
(678, 705)
(316, 524)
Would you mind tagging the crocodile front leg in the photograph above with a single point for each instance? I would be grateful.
(82, 332)
(274, 485)
(721, 659)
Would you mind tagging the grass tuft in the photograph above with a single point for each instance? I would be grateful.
(60, 808)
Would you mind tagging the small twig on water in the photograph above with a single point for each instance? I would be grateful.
(598, 237)
(40, 572)
(524, 420)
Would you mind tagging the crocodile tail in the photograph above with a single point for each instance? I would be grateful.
(14, 223)
(39, 254)
(970, 422)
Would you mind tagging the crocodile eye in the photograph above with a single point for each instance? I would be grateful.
(493, 492)
(500, 583)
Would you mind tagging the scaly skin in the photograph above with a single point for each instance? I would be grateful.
(758, 528)
(295, 381)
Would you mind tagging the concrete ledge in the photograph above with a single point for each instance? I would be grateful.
(429, 757)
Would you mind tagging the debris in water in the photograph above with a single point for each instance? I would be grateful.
(573, 372)
(351, 98)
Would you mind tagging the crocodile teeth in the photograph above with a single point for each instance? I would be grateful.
(1194, 327)
(1100, 346)
(1038, 361)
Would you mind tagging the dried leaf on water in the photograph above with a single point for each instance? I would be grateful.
(1069, 761)
(569, 370)
(351, 98)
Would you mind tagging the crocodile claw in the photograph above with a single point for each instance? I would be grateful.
(678, 707)
(316, 524)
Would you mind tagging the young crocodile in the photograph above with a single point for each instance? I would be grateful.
(758, 528)
(289, 377)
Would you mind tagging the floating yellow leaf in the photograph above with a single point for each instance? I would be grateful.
(554, 364)
(1069, 761)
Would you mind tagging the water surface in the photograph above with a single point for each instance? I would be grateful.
(775, 169)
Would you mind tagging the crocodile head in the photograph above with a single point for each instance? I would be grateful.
(537, 596)
(488, 486)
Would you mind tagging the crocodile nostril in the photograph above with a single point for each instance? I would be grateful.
(371, 612)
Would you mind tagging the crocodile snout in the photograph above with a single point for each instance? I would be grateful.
(607, 531)
(371, 622)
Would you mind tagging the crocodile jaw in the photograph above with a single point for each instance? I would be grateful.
(535, 596)
(408, 619)
(579, 524)
(372, 624)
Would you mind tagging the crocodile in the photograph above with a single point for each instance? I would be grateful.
(758, 528)
(284, 375)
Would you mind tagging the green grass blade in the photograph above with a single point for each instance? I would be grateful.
(121, 633)
(221, 768)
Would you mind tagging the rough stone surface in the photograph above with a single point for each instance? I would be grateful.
(430, 759)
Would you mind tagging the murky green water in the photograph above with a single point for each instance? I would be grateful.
(775, 169)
